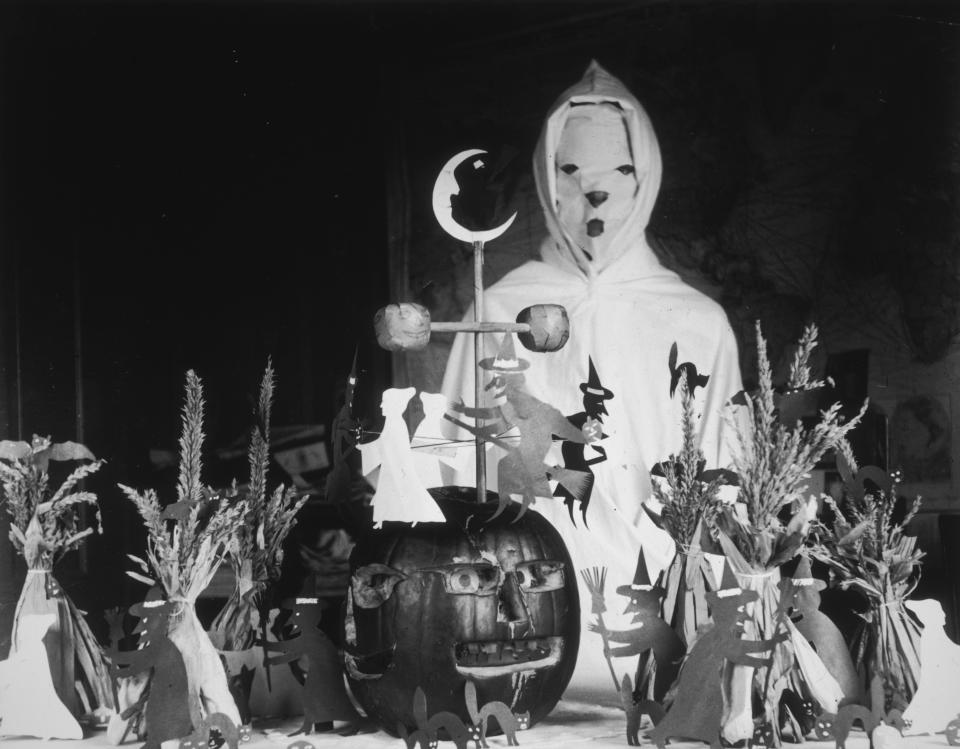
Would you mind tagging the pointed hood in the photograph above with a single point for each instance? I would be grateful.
(596, 87)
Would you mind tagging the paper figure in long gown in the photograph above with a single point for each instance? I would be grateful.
(937, 700)
(400, 495)
(29, 705)
(436, 457)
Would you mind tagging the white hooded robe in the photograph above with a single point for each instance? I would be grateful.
(626, 311)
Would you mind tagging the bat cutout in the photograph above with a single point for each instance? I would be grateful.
(40, 451)
(651, 632)
(698, 704)
(522, 470)
(590, 423)
(323, 695)
(480, 715)
(694, 378)
(636, 709)
(169, 712)
(704, 474)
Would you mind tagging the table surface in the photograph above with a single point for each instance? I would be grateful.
(571, 724)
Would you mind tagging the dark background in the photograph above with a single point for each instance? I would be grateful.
(204, 185)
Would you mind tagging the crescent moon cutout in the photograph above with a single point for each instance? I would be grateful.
(445, 186)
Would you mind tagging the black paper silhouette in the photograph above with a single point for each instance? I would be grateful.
(694, 379)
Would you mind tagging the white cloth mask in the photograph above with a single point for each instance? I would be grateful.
(596, 178)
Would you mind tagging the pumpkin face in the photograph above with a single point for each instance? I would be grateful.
(953, 732)
(435, 604)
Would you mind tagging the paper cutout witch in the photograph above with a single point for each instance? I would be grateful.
(399, 496)
(935, 702)
(698, 705)
(522, 471)
(803, 592)
(651, 632)
(590, 422)
(324, 695)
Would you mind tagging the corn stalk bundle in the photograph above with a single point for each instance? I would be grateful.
(187, 542)
(766, 527)
(868, 551)
(256, 550)
(44, 526)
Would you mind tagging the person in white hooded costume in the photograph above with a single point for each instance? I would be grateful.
(597, 168)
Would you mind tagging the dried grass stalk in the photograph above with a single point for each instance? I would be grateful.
(868, 551)
(186, 544)
(44, 526)
(256, 551)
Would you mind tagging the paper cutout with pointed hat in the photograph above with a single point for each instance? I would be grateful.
(592, 386)
(506, 360)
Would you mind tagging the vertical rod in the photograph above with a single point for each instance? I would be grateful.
(78, 381)
(477, 379)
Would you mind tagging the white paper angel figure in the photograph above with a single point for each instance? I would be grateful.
(29, 704)
(435, 458)
(400, 495)
(936, 701)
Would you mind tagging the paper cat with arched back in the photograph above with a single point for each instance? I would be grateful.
(636, 709)
(455, 729)
(509, 721)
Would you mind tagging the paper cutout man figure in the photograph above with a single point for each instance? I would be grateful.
(589, 420)
(818, 629)
(29, 705)
(936, 701)
(523, 471)
(625, 310)
(697, 708)
(324, 694)
(651, 632)
(399, 495)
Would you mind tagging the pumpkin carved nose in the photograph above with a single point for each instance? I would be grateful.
(596, 197)
(513, 608)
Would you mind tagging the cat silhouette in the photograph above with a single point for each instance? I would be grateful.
(636, 709)
(454, 728)
(480, 715)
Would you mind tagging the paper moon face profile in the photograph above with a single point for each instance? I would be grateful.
(445, 188)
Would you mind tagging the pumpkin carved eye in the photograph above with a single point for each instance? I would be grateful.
(469, 579)
(540, 576)
(374, 584)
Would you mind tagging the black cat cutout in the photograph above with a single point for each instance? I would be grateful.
(636, 709)
(168, 713)
(694, 378)
(698, 704)
(594, 394)
(650, 633)
(324, 696)
(230, 734)
(481, 715)
(454, 728)
(845, 718)
(413, 738)
(240, 685)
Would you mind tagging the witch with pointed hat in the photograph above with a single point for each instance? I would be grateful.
(522, 470)
(698, 706)
(651, 632)
(590, 421)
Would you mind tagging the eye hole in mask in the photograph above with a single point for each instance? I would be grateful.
(468, 579)
(373, 584)
(569, 168)
(540, 576)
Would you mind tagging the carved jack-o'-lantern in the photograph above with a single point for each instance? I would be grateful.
(436, 604)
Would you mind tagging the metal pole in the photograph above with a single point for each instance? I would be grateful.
(477, 380)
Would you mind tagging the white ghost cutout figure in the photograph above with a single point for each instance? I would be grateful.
(29, 704)
(937, 699)
(399, 495)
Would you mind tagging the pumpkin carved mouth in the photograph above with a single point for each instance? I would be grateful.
(494, 658)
